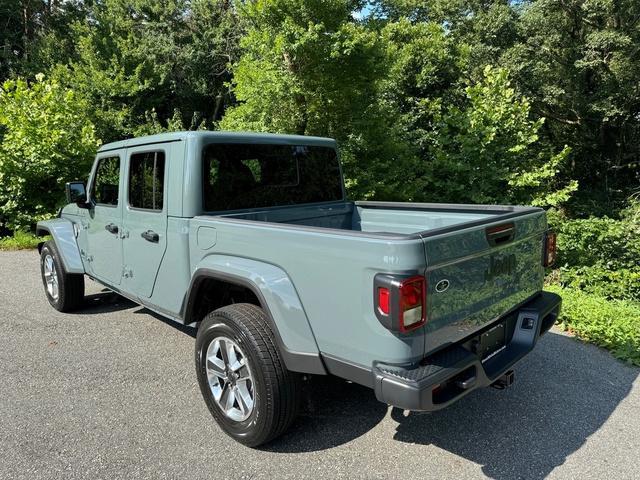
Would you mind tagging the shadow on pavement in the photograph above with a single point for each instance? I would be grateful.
(333, 412)
(108, 301)
(178, 326)
(104, 302)
(565, 393)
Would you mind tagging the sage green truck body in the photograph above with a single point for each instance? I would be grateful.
(312, 266)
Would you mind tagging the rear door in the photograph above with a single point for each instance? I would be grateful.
(103, 224)
(145, 217)
(477, 274)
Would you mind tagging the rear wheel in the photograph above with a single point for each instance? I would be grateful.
(242, 377)
(65, 291)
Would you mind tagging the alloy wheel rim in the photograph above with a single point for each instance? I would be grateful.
(51, 277)
(230, 378)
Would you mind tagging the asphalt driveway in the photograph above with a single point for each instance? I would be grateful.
(110, 392)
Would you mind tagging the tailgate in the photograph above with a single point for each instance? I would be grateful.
(477, 274)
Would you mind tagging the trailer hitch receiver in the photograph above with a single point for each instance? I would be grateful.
(505, 381)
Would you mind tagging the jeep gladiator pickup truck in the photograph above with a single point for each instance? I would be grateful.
(250, 239)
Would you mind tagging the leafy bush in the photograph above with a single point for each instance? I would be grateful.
(489, 150)
(623, 283)
(613, 324)
(45, 141)
(20, 241)
(600, 255)
(598, 241)
(599, 279)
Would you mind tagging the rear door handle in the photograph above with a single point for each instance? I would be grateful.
(111, 228)
(150, 236)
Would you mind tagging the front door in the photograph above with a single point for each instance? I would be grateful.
(104, 221)
(145, 218)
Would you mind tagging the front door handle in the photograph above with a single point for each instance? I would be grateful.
(150, 236)
(111, 228)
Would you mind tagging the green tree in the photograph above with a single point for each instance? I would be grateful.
(487, 151)
(485, 27)
(578, 62)
(28, 28)
(46, 140)
(147, 66)
(473, 141)
(309, 68)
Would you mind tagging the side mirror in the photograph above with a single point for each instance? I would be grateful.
(77, 193)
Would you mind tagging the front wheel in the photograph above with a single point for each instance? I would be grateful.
(65, 291)
(242, 377)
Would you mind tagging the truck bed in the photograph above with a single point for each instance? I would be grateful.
(332, 252)
(384, 218)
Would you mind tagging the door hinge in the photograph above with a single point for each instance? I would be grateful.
(127, 272)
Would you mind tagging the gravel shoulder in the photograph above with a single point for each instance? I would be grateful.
(110, 392)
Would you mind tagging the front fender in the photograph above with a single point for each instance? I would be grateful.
(277, 296)
(63, 234)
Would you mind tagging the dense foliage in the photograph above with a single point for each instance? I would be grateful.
(613, 324)
(46, 141)
(599, 279)
(601, 255)
(492, 101)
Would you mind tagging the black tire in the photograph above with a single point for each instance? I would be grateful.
(275, 389)
(70, 286)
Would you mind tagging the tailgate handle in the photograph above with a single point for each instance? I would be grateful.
(501, 234)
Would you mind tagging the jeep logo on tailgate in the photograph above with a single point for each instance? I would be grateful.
(500, 266)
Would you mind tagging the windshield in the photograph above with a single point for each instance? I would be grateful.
(239, 176)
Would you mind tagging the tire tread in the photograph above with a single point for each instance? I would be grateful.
(282, 384)
(70, 285)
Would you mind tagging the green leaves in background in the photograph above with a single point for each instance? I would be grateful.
(612, 324)
(532, 102)
(46, 141)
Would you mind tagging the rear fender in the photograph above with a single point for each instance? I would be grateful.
(277, 296)
(64, 236)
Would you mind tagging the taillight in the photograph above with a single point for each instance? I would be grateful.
(412, 303)
(550, 249)
(383, 300)
(400, 302)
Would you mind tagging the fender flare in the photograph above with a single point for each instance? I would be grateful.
(277, 296)
(63, 234)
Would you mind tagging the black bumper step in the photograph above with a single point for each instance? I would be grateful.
(446, 376)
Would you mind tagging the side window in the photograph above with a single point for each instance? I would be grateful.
(105, 185)
(146, 180)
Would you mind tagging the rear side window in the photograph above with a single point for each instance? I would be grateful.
(238, 176)
(146, 180)
(105, 185)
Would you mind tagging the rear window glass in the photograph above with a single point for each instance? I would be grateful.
(146, 180)
(238, 176)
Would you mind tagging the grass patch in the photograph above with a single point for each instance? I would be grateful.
(20, 241)
(612, 324)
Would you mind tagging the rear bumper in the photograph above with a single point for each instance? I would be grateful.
(450, 374)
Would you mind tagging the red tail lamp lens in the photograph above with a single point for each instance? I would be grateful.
(412, 308)
(400, 301)
(383, 300)
(550, 249)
